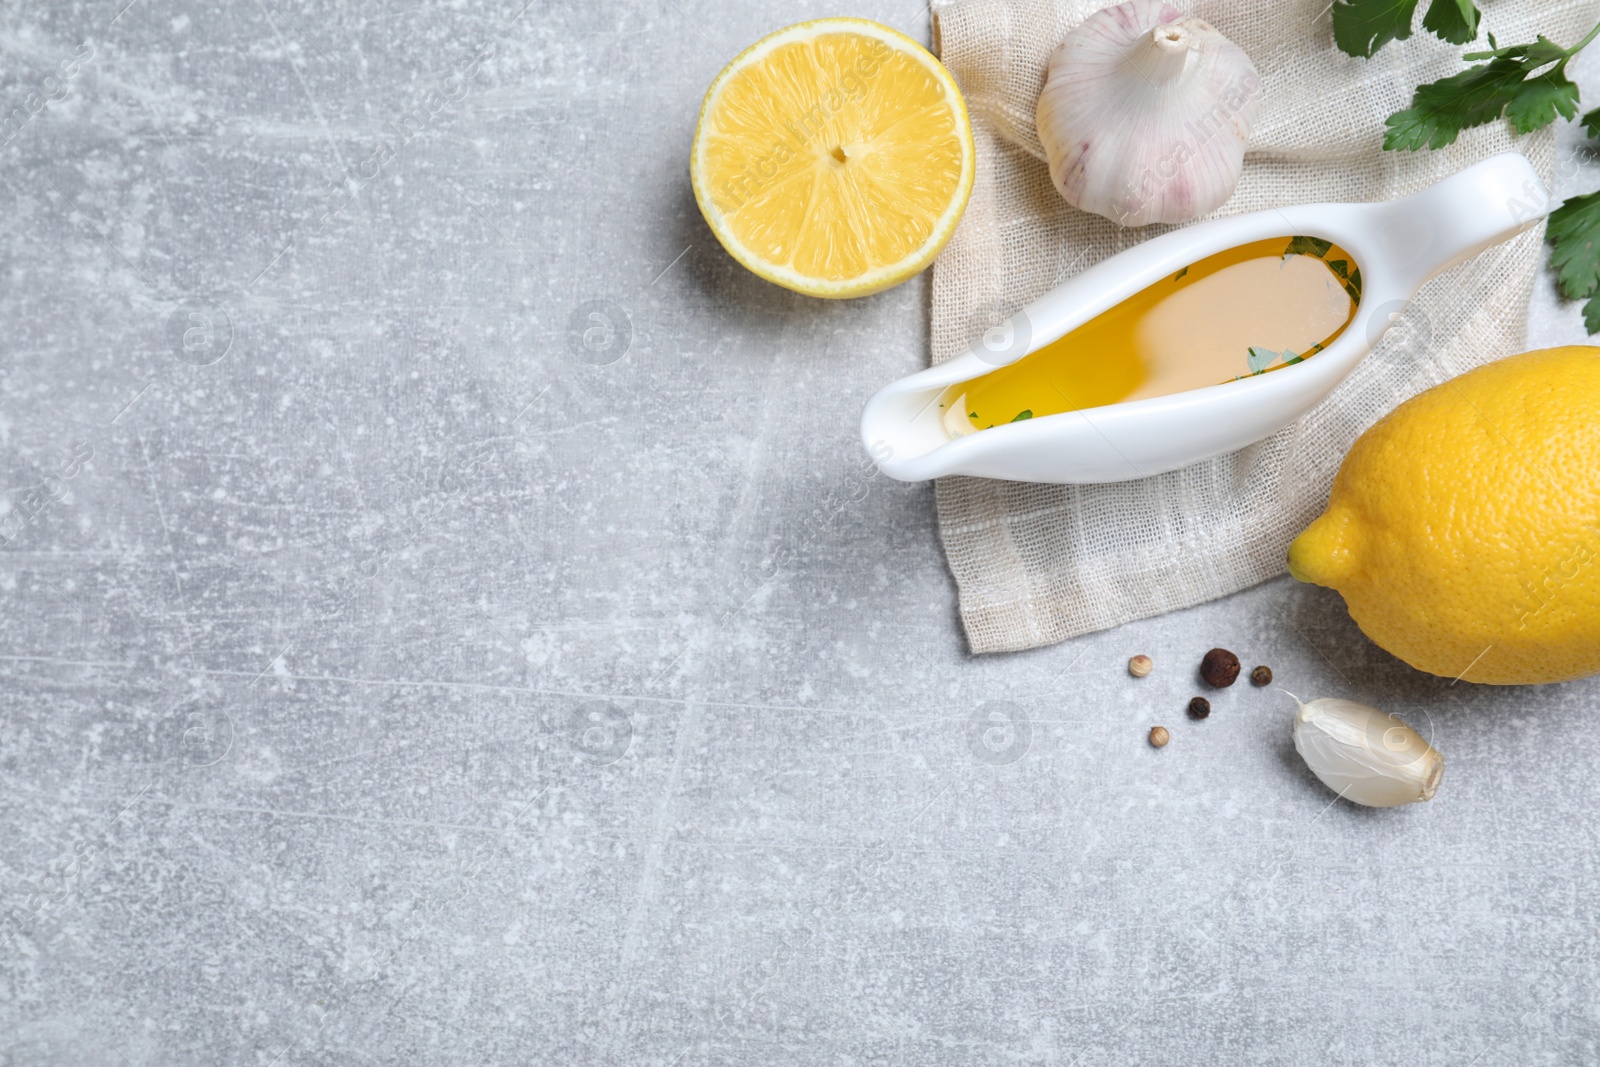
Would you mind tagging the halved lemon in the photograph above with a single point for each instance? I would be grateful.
(833, 157)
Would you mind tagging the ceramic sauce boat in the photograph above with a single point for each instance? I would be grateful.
(919, 427)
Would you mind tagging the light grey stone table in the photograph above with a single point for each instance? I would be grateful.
(390, 678)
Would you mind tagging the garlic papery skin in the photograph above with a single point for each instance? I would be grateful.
(1145, 114)
(1364, 755)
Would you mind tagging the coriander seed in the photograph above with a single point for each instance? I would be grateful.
(1199, 708)
(1261, 676)
(1159, 737)
(1139, 666)
(1219, 668)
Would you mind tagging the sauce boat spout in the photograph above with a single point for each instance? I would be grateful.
(1379, 255)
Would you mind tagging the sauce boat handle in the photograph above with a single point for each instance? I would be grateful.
(1427, 233)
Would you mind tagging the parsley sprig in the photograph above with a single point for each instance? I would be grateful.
(1574, 236)
(1361, 27)
(1527, 84)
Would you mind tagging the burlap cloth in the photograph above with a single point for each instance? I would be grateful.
(1036, 564)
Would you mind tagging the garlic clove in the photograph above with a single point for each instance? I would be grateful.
(1145, 113)
(1364, 755)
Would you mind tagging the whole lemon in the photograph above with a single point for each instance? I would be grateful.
(1463, 529)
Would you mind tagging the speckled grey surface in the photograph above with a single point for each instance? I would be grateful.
(405, 681)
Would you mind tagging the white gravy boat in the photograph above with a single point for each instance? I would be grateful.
(1398, 245)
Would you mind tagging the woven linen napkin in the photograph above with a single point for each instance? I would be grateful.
(1036, 564)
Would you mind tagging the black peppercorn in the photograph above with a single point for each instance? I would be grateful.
(1199, 708)
(1261, 676)
(1220, 668)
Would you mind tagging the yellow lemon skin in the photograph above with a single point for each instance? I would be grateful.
(1463, 529)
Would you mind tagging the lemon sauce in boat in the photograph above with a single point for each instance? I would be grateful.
(1250, 310)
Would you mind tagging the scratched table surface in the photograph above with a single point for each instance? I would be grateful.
(448, 619)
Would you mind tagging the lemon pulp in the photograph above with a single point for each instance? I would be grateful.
(833, 157)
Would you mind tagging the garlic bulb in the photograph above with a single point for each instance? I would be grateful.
(1365, 755)
(1145, 113)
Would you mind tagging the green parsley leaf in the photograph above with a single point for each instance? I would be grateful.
(1361, 27)
(1339, 267)
(1574, 236)
(1180, 274)
(1591, 122)
(1440, 110)
(1591, 314)
(1539, 99)
(1259, 359)
(1290, 359)
(1535, 55)
(1308, 246)
(1455, 21)
(1023, 415)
